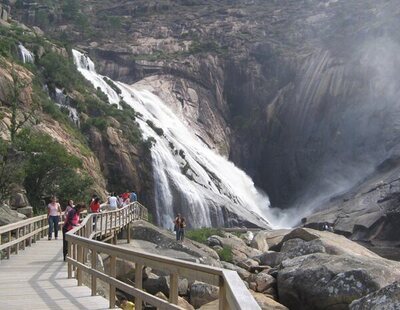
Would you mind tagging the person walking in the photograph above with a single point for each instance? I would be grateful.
(53, 217)
(71, 220)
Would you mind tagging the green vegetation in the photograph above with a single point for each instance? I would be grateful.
(61, 72)
(226, 254)
(50, 169)
(112, 85)
(201, 235)
(157, 130)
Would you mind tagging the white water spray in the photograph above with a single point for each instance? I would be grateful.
(189, 177)
(26, 55)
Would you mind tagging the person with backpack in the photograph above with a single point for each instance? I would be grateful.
(71, 221)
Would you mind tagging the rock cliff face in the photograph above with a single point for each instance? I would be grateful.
(301, 94)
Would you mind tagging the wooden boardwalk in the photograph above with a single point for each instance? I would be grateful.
(37, 279)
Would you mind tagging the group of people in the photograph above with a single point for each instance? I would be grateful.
(72, 213)
(114, 202)
(179, 227)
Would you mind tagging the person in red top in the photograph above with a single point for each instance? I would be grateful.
(95, 208)
(71, 220)
(125, 195)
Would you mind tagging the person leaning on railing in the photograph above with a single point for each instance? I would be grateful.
(71, 220)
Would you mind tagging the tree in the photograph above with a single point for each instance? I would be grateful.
(10, 159)
(50, 169)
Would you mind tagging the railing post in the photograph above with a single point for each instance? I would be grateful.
(138, 284)
(23, 235)
(17, 237)
(113, 273)
(79, 273)
(101, 224)
(93, 265)
(128, 233)
(70, 254)
(173, 288)
(31, 225)
(9, 248)
(223, 304)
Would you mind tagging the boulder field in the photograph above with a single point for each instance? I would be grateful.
(297, 268)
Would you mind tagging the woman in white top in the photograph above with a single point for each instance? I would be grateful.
(53, 216)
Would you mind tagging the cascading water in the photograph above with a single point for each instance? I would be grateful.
(26, 55)
(63, 101)
(189, 177)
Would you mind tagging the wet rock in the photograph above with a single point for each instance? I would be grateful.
(387, 298)
(321, 281)
(202, 293)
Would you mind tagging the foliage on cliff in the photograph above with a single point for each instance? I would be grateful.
(47, 164)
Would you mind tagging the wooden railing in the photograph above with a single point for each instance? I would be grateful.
(16, 236)
(233, 294)
(83, 249)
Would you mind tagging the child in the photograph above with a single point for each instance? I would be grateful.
(127, 305)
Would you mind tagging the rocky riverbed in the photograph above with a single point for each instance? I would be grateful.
(297, 268)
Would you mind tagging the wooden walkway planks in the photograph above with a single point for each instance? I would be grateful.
(36, 278)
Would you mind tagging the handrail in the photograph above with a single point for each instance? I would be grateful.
(233, 294)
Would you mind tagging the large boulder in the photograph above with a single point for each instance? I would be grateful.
(334, 244)
(322, 281)
(259, 241)
(202, 293)
(267, 303)
(181, 301)
(387, 298)
(243, 273)
(18, 200)
(240, 250)
(27, 211)
(290, 249)
(8, 216)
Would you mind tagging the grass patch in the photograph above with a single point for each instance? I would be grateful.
(226, 254)
(201, 235)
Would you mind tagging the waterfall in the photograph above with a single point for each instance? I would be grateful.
(26, 55)
(63, 102)
(189, 177)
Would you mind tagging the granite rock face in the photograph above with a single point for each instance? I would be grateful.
(387, 298)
